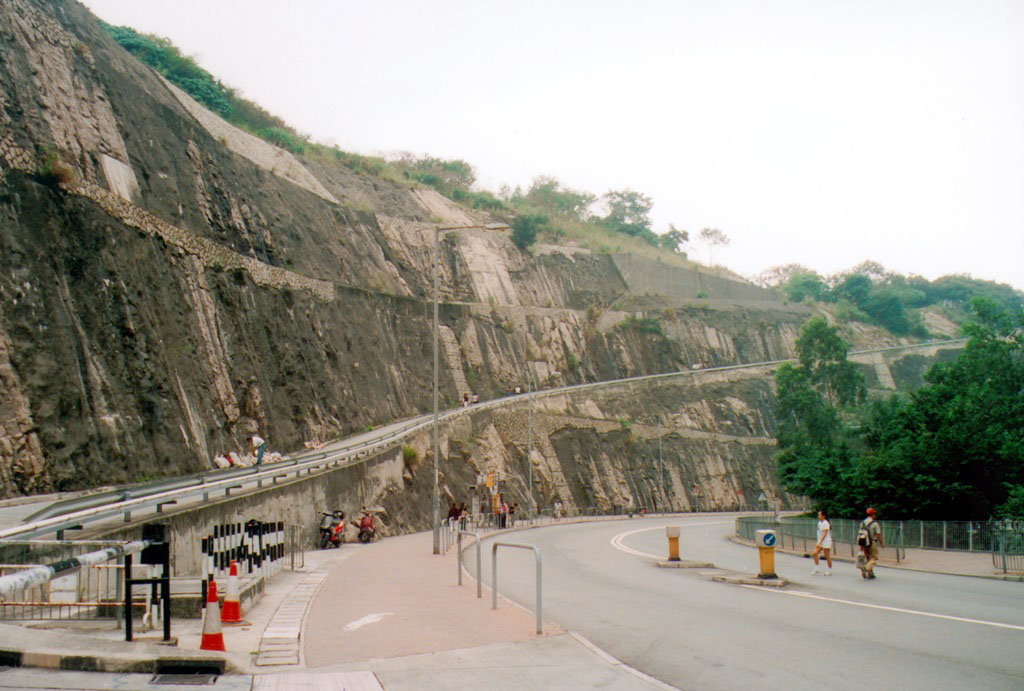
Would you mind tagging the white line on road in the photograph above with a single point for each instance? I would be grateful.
(617, 540)
(368, 619)
(800, 593)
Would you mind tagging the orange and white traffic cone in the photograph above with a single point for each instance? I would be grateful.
(213, 636)
(232, 612)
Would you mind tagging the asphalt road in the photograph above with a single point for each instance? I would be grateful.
(905, 629)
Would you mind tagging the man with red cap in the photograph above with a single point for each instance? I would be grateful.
(873, 530)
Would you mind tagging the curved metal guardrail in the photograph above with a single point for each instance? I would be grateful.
(76, 512)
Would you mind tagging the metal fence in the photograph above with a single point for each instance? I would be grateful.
(1003, 539)
(94, 592)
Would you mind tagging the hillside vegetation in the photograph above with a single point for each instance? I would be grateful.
(617, 221)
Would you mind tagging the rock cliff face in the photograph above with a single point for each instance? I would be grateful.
(170, 285)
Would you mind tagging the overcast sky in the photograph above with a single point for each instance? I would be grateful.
(818, 132)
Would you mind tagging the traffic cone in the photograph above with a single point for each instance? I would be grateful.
(213, 637)
(232, 612)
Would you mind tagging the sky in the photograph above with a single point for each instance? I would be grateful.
(817, 132)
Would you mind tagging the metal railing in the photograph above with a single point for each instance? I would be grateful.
(458, 561)
(494, 576)
(1003, 539)
(92, 591)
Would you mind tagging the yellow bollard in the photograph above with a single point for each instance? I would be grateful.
(765, 541)
(672, 531)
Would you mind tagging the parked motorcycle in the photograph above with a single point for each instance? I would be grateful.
(367, 527)
(332, 529)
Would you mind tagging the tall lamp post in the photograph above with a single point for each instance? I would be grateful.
(437, 443)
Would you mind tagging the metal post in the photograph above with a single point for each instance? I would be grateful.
(128, 597)
(661, 464)
(494, 577)
(437, 445)
(944, 524)
(529, 444)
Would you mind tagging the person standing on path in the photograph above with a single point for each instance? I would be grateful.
(875, 542)
(824, 544)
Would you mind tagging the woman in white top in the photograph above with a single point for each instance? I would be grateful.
(824, 543)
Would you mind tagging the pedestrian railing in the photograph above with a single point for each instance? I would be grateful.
(1004, 539)
(494, 577)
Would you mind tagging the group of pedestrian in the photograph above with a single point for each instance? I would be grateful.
(469, 399)
(869, 539)
(459, 513)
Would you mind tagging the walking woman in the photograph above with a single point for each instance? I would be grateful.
(824, 543)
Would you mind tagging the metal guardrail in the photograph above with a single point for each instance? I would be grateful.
(494, 576)
(81, 510)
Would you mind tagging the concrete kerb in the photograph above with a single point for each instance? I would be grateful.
(24, 647)
(889, 564)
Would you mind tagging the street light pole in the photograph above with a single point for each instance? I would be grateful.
(437, 444)
(661, 462)
(529, 446)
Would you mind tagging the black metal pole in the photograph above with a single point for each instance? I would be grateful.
(128, 597)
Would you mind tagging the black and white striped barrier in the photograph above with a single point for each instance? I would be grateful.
(258, 547)
(37, 575)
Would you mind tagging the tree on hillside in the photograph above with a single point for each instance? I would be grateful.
(525, 228)
(674, 239)
(803, 285)
(775, 276)
(713, 237)
(813, 401)
(549, 194)
(629, 213)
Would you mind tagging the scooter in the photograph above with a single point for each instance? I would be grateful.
(332, 529)
(367, 527)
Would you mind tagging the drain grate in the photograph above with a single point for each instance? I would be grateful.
(185, 679)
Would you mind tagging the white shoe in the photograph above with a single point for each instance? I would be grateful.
(828, 572)
(816, 572)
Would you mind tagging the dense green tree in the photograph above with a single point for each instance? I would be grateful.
(813, 400)
(525, 228)
(549, 194)
(855, 288)
(674, 239)
(805, 284)
(629, 213)
(952, 449)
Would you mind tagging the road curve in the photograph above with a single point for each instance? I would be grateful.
(905, 629)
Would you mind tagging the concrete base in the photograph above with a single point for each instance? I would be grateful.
(684, 564)
(752, 580)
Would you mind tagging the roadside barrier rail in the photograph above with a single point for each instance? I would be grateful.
(494, 576)
(74, 513)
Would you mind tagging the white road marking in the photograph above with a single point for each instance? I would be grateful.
(617, 540)
(810, 596)
(368, 619)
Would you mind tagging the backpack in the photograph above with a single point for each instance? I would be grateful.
(864, 535)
